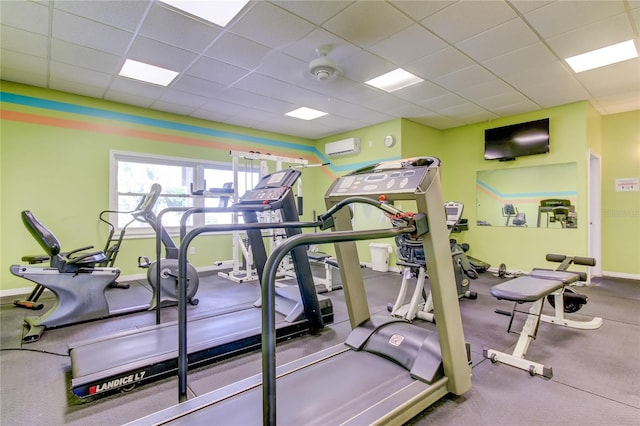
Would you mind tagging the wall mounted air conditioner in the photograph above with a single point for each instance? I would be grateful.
(343, 147)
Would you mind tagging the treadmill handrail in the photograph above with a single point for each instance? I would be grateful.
(268, 301)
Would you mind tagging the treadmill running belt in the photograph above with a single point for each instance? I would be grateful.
(355, 380)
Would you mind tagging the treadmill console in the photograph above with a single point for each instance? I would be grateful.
(454, 213)
(384, 178)
(271, 187)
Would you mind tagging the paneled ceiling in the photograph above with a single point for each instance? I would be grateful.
(480, 59)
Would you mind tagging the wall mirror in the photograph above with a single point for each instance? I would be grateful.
(534, 197)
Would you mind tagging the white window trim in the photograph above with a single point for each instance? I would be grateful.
(198, 165)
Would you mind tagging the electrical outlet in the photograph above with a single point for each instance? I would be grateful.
(192, 250)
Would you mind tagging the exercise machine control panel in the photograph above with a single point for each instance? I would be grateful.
(384, 178)
(271, 187)
(453, 210)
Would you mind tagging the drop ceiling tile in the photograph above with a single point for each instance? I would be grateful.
(81, 56)
(501, 101)
(526, 6)
(123, 14)
(271, 26)
(33, 77)
(257, 102)
(84, 76)
(25, 42)
(489, 88)
(128, 98)
(315, 11)
(218, 110)
(532, 57)
(408, 45)
(408, 110)
(593, 36)
(419, 10)
(614, 104)
(536, 75)
(367, 23)
(64, 85)
(216, 71)
(443, 102)
(439, 64)
(467, 18)
(135, 88)
(178, 97)
(363, 66)
(177, 29)
(557, 90)
(160, 54)
(197, 86)
(165, 106)
(470, 76)
(84, 32)
(505, 109)
(28, 16)
(504, 38)
(563, 16)
(438, 121)
(421, 91)
(283, 67)
(238, 51)
(11, 60)
(612, 79)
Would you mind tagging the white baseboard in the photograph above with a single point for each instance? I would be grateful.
(621, 275)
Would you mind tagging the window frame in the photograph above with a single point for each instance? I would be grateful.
(198, 169)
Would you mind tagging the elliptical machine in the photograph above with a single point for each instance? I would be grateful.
(411, 256)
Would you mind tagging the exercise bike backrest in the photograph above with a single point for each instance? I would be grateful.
(52, 247)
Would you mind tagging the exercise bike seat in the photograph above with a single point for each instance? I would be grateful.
(73, 261)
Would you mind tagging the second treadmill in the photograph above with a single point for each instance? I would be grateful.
(103, 365)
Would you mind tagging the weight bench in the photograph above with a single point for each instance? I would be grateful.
(534, 289)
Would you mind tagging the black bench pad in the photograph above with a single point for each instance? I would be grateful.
(525, 289)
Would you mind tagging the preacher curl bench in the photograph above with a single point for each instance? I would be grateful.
(534, 288)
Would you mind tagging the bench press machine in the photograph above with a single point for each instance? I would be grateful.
(534, 288)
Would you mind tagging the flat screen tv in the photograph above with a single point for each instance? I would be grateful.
(517, 140)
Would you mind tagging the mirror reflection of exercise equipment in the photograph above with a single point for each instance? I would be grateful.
(509, 211)
(417, 366)
(557, 211)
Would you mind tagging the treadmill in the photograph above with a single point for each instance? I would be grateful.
(388, 370)
(107, 364)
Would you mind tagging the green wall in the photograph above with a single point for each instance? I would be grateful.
(55, 162)
(461, 150)
(620, 210)
(55, 148)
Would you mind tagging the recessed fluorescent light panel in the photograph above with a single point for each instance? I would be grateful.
(602, 57)
(147, 73)
(394, 80)
(305, 113)
(220, 12)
